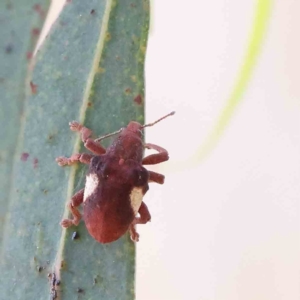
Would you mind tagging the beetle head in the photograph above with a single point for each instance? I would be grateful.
(134, 127)
(137, 127)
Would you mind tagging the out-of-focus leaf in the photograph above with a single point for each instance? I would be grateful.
(89, 69)
(20, 25)
(256, 40)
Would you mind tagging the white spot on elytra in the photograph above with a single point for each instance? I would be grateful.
(91, 184)
(136, 198)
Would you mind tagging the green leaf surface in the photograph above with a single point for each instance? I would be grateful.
(20, 24)
(89, 69)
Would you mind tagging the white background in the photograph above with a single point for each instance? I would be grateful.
(227, 228)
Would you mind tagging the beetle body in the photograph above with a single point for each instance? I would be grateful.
(115, 183)
(112, 197)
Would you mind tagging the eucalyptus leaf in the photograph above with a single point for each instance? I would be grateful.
(90, 69)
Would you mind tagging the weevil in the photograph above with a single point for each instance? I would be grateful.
(116, 182)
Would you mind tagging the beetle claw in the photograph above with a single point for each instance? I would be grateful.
(66, 223)
(134, 234)
(75, 126)
(62, 161)
(135, 237)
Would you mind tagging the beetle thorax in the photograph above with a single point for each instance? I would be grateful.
(129, 144)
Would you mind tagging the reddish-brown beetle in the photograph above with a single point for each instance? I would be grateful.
(115, 182)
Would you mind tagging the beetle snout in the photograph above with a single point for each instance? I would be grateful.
(134, 126)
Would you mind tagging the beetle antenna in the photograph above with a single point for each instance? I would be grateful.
(108, 135)
(151, 124)
(146, 125)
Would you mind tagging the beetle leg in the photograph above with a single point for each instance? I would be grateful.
(75, 201)
(157, 158)
(142, 219)
(85, 133)
(156, 177)
(133, 233)
(84, 158)
(94, 147)
(144, 215)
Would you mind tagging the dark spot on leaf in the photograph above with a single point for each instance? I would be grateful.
(90, 104)
(33, 87)
(29, 55)
(53, 279)
(24, 156)
(53, 294)
(107, 36)
(37, 7)
(35, 31)
(53, 283)
(45, 192)
(62, 264)
(133, 5)
(75, 235)
(9, 49)
(138, 99)
(35, 163)
(92, 12)
(128, 91)
(79, 290)
(39, 10)
(50, 136)
(39, 268)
